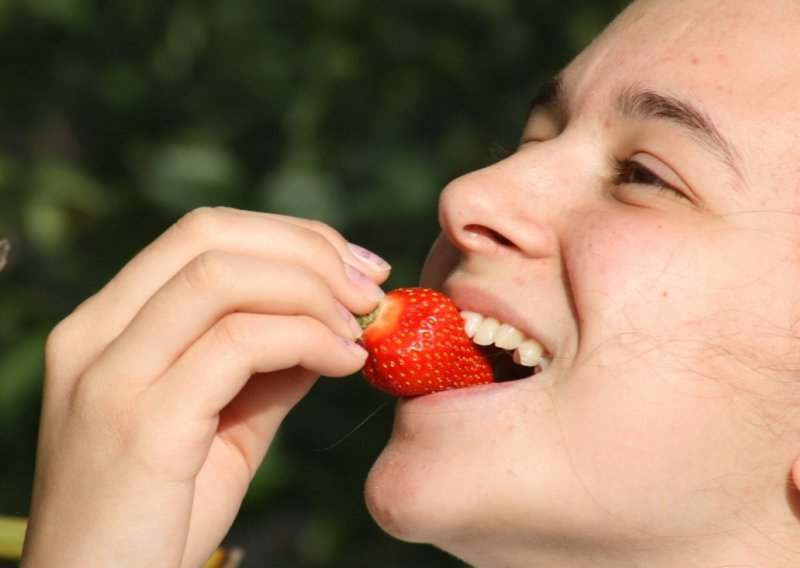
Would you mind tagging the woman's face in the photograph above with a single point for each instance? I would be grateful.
(645, 232)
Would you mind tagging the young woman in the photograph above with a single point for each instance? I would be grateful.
(645, 233)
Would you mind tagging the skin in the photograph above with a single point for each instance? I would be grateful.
(665, 433)
(150, 438)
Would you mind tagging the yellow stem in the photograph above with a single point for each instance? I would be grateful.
(12, 534)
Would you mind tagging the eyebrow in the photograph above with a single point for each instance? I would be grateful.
(648, 104)
(645, 104)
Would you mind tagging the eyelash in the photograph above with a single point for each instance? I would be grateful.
(631, 172)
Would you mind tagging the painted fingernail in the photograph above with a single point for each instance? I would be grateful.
(350, 320)
(353, 347)
(367, 286)
(372, 259)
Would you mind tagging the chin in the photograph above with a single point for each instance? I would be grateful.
(394, 501)
(461, 472)
(411, 492)
(407, 507)
(427, 486)
(403, 499)
(411, 500)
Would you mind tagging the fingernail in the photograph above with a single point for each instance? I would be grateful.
(350, 319)
(353, 347)
(372, 259)
(367, 286)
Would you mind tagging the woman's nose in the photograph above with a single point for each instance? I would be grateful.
(494, 211)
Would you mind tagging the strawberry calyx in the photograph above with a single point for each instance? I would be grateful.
(383, 317)
(367, 319)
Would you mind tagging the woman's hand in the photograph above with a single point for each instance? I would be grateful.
(164, 390)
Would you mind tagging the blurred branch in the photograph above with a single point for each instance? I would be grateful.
(5, 248)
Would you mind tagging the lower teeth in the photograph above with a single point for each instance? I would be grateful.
(505, 369)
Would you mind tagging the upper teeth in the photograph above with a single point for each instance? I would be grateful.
(488, 330)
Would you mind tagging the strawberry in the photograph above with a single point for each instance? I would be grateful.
(417, 345)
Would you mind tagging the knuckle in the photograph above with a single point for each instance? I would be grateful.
(59, 341)
(209, 272)
(324, 233)
(324, 249)
(69, 347)
(305, 283)
(320, 227)
(55, 340)
(234, 334)
(312, 331)
(200, 222)
(317, 239)
(307, 326)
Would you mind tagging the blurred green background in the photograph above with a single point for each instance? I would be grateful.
(118, 117)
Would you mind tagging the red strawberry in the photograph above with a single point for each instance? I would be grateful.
(417, 345)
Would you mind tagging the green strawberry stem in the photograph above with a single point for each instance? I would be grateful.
(365, 320)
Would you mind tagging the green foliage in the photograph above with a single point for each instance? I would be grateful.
(118, 117)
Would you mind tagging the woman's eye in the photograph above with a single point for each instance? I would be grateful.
(633, 172)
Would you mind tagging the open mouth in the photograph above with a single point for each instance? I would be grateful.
(512, 354)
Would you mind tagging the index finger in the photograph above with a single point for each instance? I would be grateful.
(310, 244)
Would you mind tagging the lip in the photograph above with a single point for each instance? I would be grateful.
(474, 299)
(478, 394)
